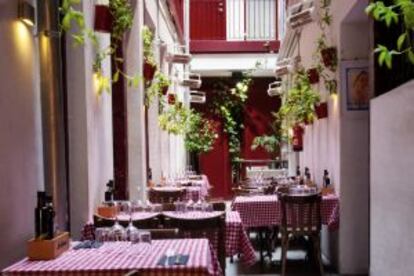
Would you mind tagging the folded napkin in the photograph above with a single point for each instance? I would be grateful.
(177, 259)
(87, 245)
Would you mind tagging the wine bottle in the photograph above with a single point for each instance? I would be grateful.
(49, 218)
(41, 196)
(109, 193)
(326, 179)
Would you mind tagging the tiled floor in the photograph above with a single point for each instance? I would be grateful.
(296, 266)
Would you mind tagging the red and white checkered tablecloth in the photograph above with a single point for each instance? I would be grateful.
(264, 210)
(118, 258)
(237, 241)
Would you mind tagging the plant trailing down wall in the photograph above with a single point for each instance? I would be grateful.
(299, 102)
(158, 88)
(228, 105)
(150, 65)
(325, 57)
(122, 17)
(393, 13)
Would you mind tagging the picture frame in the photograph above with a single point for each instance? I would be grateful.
(355, 80)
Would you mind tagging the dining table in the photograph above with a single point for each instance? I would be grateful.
(236, 238)
(119, 258)
(265, 210)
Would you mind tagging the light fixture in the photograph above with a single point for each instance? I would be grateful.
(26, 13)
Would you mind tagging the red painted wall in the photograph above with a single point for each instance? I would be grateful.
(216, 164)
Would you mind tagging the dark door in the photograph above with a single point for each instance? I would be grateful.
(208, 19)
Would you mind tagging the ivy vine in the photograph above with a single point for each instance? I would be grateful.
(121, 12)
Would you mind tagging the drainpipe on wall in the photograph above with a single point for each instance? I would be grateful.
(52, 105)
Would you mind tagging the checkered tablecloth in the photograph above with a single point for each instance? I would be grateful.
(237, 241)
(264, 210)
(118, 258)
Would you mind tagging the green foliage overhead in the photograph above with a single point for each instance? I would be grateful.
(174, 119)
(270, 143)
(399, 11)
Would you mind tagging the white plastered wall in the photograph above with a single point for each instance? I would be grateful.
(340, 142)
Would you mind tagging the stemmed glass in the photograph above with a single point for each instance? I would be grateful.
(117, 232)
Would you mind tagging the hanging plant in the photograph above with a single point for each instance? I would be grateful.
(171, 99)
(201, 134)
(121, 13)
(398, 11)
(321, 110)
(313, 75)
(150, 65)
(174, 119)
(158, 88)
(299, 102)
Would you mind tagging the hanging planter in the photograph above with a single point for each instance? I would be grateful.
(329, 57)
(313, 75)
(164, 89)
(103, 19)
(321, 110)
(297, 139)
(171, 99)
(149, 71)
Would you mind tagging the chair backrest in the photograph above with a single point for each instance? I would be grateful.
(160, 196)
(165, 233)
(212, 228)
(149, 223)
(301, 214)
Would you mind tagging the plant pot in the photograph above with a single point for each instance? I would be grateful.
(297, 139)
(329, 57)
(321, 110)
(164, 90)
(313, 75)
(149, 71)
(103, 19)
(171, 99)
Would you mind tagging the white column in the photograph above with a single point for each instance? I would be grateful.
(133, 53)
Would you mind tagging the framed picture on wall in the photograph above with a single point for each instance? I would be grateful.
(356, 84)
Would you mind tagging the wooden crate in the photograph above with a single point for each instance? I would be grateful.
(48, 249)
(107, 211)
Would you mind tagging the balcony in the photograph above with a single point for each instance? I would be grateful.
(235, 26)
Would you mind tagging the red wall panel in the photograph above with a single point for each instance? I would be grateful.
(216, 164)
(208, 19)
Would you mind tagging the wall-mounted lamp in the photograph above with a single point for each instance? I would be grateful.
(26, 13)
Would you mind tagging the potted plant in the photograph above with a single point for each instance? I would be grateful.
(297, 138)
(159, 87)
(313, 75)
(299, 103)
(150, 66)
(103, 19)
(171, 99)
(321, 110)
(329, 57)
(174, 119)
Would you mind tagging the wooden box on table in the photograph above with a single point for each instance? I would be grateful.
(48, 249)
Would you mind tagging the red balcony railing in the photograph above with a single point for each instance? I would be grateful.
(233, 26)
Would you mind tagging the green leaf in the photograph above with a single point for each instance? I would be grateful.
(401, 40)
(115, 77)
(388, 60)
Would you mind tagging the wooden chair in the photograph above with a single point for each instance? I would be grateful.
(158, 196)
(301, 216)
(213, 228)
(149, 223)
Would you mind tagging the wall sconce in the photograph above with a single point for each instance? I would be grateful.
(26, 13)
